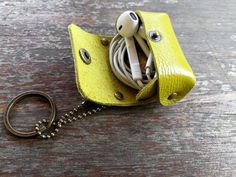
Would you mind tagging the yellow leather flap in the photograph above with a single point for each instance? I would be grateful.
(95, 81)
(175, 76)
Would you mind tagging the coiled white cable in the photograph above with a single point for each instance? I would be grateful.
(118, 63)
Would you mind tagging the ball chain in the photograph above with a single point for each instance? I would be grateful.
(47, 132)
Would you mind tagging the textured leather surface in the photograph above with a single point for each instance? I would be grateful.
(174, 73)
(97, 83)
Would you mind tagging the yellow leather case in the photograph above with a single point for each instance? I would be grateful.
(97, 83)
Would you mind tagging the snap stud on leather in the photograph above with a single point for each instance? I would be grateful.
(119, 96)
(104, 41)
(85, 56)
(172, 96)
(154, 35)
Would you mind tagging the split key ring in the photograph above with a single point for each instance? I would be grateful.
(16, 100)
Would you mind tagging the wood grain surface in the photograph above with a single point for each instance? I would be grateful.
(195, 137)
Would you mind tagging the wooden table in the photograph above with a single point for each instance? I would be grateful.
(196, 137)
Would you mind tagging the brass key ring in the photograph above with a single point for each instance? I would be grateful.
(18, 99)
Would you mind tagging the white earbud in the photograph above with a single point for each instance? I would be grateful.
(127, 26)
(129, 30)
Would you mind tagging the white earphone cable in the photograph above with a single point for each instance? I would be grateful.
(119, 67)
